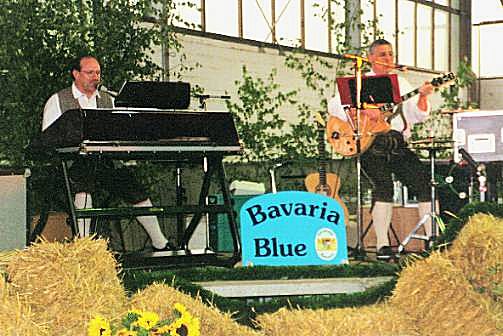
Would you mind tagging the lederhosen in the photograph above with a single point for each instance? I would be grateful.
(389, 154)
(89, 175)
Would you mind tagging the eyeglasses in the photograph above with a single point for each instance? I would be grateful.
(92, 72)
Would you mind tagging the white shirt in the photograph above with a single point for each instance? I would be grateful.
(52, 110)
(412, 113)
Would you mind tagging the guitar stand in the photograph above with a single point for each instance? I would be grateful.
(432, 215)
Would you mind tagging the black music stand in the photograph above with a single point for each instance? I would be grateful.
(154, 94)
(378, 89)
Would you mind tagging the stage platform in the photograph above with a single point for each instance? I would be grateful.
(291, 287)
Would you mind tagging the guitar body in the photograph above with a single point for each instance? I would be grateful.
(330, 189)
(341, 134)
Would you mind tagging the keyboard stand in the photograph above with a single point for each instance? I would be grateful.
(214, 172)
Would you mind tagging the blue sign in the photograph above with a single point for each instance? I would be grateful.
(293, 228)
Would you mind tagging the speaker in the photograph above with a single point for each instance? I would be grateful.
(480, 134)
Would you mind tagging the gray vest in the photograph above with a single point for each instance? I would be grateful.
(67, 102)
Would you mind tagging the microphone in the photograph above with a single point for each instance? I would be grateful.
(102, 88)
(207, 96)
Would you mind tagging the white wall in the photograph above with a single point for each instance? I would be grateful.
(491, 94)
(221, 65)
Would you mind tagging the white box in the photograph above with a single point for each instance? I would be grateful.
(480, 133)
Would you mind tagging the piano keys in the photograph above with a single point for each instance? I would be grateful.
(126, 133)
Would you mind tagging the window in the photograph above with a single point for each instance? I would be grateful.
(489, 61)
(316, 26)
(288, 22)
(221, 17)
(386, 15)
(425, 33)
(257, 20)
(337, 33)
(454, 37)
(406, 33)
(367, 17)
(441, 40)
(409, 25)
(424, 37)
(188, 13)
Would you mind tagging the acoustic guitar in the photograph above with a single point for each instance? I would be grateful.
(341, 134)
(324, 183)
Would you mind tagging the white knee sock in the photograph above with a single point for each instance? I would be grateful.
(151, 225)
(83, 200)
(381, 216)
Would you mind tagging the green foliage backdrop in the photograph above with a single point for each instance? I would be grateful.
(38, 40)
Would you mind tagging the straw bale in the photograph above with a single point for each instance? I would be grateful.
(67, 284)
(478, 252)
(374, 320)
(441, 301)
(5, 257)
(160, 298)
(16, 317)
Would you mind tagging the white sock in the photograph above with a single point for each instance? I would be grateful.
(83, 200)
(381, 216)
(151, 225)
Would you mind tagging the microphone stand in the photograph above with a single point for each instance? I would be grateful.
(358, 61)
(202, 99)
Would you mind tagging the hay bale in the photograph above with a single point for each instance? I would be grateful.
(67, 284)
(478, 252)
(375, 320)
(436, 295)
(5, 257)
(16, 317)
(160, 298)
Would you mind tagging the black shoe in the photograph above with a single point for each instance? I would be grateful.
(385, 253)
(168, 247)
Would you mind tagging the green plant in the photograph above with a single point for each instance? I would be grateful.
(257, 119)
(465, 77)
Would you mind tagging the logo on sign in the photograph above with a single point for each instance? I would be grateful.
(326, 244)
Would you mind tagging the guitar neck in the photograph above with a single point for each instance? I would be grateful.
(436, 82)
(322, 168)
(389, 106)
(409, 95)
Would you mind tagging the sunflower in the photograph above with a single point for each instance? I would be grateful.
(146, 320)
(125, 332)
(99, 326)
